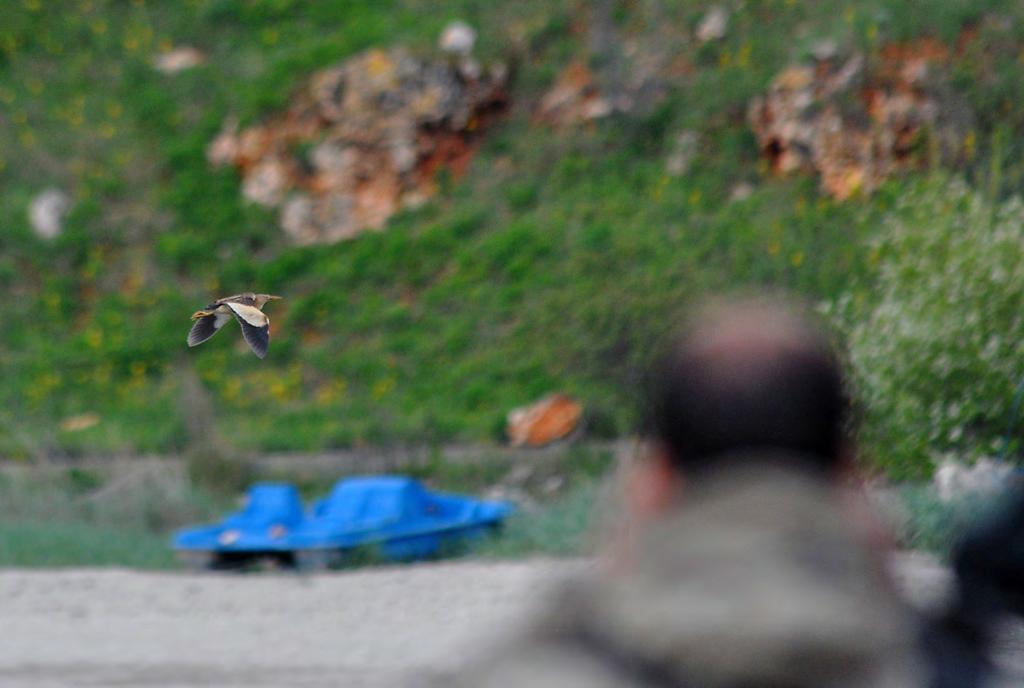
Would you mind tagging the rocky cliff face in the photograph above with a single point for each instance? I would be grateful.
(855, 124)
(363, 140)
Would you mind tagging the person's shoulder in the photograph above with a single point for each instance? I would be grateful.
(536, 663)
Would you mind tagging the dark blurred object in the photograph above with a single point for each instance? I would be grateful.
(989, 568)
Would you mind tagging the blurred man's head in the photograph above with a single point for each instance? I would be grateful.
(747, 376)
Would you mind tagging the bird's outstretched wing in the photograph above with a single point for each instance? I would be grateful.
(206, 325)
(255, 327)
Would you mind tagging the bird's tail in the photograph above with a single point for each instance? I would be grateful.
(201, 314)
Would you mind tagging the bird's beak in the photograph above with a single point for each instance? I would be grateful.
(271, 297)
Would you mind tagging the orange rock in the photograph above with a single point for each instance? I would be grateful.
(574, 97)
(83, 421)
(543, 422)
(855, 124)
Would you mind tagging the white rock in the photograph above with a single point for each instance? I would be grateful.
(178, 60)
(552, 484)
(825, 49)
(741, 192)
(684, 150)
(266, 183)
(47, 211)
(297, 218)
(458, 38)
(953, 479)
(712, 27)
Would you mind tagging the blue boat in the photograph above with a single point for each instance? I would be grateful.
(395, 516)
(270, 512)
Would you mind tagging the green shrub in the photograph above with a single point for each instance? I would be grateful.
(936, 343)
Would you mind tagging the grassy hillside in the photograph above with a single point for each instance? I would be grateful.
(554, 264)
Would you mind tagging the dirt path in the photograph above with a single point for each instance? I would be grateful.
(374, 627)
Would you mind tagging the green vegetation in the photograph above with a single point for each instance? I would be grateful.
(60, 543)
(76, 517)
(562, 528)
(555, 263)
(936, 345)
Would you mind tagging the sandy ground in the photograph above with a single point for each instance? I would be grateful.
(372, 627)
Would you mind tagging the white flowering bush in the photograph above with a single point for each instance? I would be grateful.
(936, 343)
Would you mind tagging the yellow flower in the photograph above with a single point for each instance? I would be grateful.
(970, 144)
(331, 392)
(659, 188)
(774, 248)
(27, 138)
(270, 36)
(232, 389)
(19, 117)
(797, 259)
(99, 27)
(743, 56)
(382, 387)
(107, 130)
(101, 375)
(9, 44)
(94, 337)
(35, 86)
(279, 390)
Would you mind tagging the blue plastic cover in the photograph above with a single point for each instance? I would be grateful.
(270, 512)
(395, 513)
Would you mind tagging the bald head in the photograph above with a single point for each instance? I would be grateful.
(748, 375)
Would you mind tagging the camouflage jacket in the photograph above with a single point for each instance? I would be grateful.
(758, 580)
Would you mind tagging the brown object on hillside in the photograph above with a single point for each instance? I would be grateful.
(363, 140)
(855, 125)
(574, 98)
(552, 418)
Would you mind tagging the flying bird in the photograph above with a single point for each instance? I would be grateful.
(247, 309)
